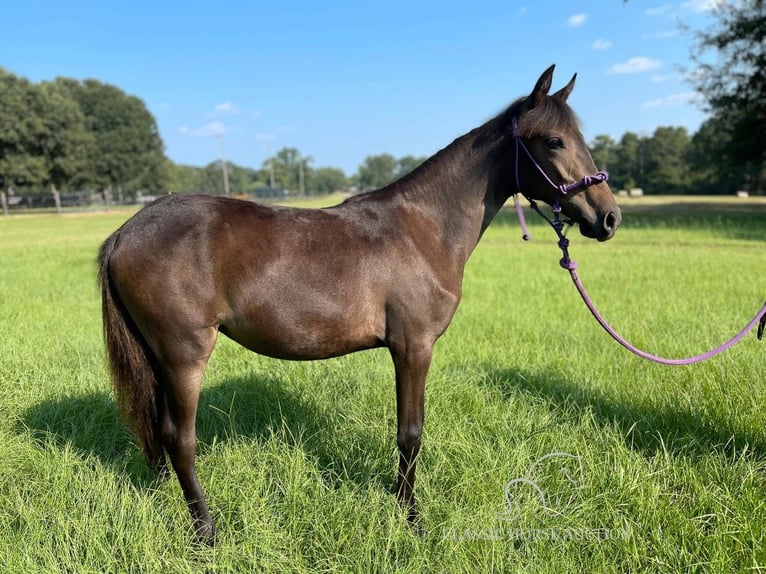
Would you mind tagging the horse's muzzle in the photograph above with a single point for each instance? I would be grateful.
(604, 227)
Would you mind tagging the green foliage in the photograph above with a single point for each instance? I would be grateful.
(21, 130)
(406, 164)
(67, 145)
(670, 162)
(209, 179)
(288, 166)
(733, 83)
(665, 161)
(378, 171)
(603, 149)
(129, 152)
(326, 180)
(69, 134)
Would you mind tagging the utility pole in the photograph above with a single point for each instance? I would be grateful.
(226, 189)
(301, 186)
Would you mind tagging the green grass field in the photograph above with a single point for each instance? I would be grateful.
(666, 466)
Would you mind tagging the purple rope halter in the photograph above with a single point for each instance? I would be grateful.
(566, 262)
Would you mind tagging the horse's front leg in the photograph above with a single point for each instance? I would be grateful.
(411, 366)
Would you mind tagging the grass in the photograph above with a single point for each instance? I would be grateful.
(298, 459)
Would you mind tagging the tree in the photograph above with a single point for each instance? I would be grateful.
(711, 168)
(129, 151)
(627, 168)
(603, 149)
(665, 170)
(21, 130)
(377, 171)
(407, 164)
(734, 84)
(66, 144)
(289, 166)
(325, 180)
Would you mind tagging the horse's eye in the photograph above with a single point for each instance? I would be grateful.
(555, 143)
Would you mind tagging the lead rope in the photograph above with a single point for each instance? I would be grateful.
(571, 266)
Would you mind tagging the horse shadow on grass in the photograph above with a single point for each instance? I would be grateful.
(646, 428)
(250, 408)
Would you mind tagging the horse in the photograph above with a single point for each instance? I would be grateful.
(381, 269)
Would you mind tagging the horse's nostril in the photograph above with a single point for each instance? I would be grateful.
(611, 221)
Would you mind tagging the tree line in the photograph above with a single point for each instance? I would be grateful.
(288, 171)
(72, 135)
(671, 161)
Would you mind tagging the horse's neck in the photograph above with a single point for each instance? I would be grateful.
(453, 190)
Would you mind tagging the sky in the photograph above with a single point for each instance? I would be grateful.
(343, 80)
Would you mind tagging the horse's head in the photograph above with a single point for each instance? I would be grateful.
(548, 151)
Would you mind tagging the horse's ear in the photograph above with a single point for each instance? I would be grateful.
(564, 92)
(542, 87)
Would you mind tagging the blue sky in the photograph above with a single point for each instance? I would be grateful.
(342, 80)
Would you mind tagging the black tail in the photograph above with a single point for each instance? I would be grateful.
(131, 362)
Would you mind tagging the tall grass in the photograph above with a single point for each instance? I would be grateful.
(666, 471)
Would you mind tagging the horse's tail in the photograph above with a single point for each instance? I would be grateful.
(131, 362)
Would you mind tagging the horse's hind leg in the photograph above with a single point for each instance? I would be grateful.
(182, 379)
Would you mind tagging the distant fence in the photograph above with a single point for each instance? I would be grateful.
(85, 201)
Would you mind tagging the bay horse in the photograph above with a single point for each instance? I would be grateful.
(381, 269)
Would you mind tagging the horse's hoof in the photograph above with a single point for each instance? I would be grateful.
(205, 533)
(415, 521)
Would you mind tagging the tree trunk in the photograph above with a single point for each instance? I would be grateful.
(4, 201)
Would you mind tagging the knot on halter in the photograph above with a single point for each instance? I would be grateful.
(586, 181)
(568, 264)
(565, 261)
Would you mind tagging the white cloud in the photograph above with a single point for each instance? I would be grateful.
(601, 44)
(576, 20)
(210, 129)
(698, 6)
(226, 109)
(635, 65)
(659, 10)
(681, 99)
(657, 103)
(665, 34)
(659, 78)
